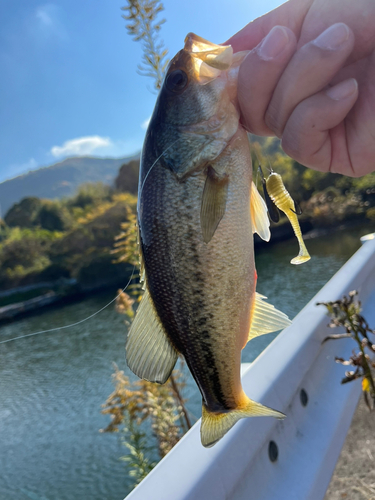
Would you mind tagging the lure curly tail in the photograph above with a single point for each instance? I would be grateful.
(282, 199)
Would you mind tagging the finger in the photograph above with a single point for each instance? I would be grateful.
(259, 74)
(290, 14)
(359, 15)
(310, 70)
(311, 134)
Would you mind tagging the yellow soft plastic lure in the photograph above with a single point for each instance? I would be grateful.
(283, 201)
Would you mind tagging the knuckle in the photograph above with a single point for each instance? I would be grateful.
(296, 134)
(290, 146)
(305, 118)
(272, 120)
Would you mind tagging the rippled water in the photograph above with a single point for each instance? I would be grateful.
(52, 385)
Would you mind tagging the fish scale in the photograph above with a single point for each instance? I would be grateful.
(184, 281)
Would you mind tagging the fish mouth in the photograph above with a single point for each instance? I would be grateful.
(215, 56)
(204, 61)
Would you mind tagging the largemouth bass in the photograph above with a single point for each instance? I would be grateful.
(197, 211)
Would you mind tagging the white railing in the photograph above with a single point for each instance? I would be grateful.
(296, 366)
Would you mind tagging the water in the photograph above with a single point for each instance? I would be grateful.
(52, 386)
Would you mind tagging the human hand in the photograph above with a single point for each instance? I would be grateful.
(311, 82)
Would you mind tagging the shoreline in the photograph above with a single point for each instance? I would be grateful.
(62, 292)
(51, 299)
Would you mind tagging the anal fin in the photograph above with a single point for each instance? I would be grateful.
(265, 318)
(149, 352)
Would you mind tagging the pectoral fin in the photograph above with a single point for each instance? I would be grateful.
(265, 318)
(214, 201)
(149, 352)
(258, 210)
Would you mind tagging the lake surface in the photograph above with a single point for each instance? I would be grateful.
(52, 386)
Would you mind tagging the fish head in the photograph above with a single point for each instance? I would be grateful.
(196, 113)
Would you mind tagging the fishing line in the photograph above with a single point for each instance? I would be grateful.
(254, 157)
(117, 296)
(153, 165)
(72, 324)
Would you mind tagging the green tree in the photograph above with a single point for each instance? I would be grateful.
(127, 179)
(24, 251)
(24, 213)
(54, 216)
(90, 241)
(90, 194)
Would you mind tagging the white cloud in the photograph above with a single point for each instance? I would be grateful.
(43, 16)
(81, 146)
(144, 124)
(49, 24)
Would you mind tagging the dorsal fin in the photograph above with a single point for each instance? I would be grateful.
(265, 318)
(259, 218)
(149, 352)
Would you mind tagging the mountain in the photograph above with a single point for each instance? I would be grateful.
(60, 179)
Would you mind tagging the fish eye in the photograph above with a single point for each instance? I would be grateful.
(176, 81)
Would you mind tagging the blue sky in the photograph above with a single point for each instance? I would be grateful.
(69, 84)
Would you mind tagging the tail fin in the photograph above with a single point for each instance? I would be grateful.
(215, 425)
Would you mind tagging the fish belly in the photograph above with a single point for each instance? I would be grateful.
(202, 292)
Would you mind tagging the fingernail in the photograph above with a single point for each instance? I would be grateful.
(333, 37)
(273, 44)
(343, 90)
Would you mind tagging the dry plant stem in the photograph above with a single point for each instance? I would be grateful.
(337, 336)
(135, 402)
(144, 27)
(353, 331)
(181, 401)
(346, 313)
(365, 365)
